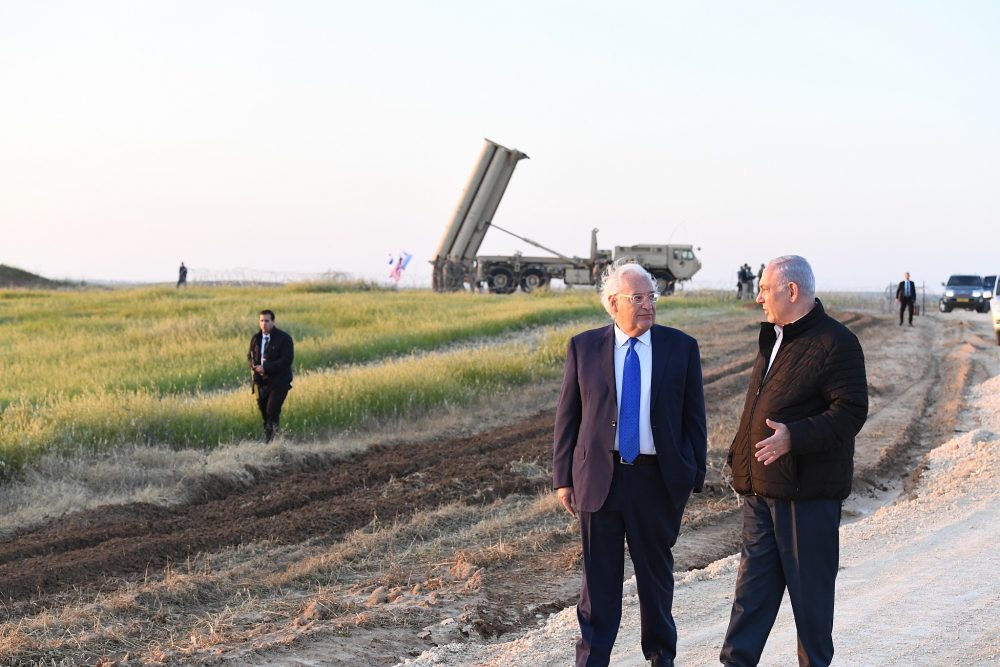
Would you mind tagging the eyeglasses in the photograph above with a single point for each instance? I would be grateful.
(638, 299)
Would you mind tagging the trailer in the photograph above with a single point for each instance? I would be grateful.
(457, 263)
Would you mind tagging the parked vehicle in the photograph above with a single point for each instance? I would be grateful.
(995, 311)
(963, 291)
(457, 263)
(989, 286)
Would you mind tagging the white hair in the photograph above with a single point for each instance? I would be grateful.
(795, 269)
(611, 280)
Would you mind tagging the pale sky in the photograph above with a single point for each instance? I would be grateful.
(313, 136)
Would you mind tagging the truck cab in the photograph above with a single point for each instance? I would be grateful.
(667, 263)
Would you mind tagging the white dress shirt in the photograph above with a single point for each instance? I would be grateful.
(778, 329)
(644, 348)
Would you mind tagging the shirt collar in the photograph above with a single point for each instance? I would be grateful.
(621, 338)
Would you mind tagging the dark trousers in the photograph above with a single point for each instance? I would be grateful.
(793, 544)
(270, 398)
(638, 510)
(905, 303)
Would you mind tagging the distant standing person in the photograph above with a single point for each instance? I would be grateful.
(792, 460)
(182, 275)
(629, 449)
(906, 295)
(270, 356)
(748, 290)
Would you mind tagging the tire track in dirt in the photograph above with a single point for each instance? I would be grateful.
(894, 424)
(941, 417)
(927, 408)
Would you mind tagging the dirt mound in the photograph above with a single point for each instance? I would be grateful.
(14, 277)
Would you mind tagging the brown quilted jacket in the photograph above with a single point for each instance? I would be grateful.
(818, 388)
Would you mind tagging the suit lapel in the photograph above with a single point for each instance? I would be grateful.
(606, 353)
(661, 356)
(257, 339)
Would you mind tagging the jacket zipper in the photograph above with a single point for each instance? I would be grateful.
(753, 407)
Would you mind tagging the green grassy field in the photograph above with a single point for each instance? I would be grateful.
(95, 369)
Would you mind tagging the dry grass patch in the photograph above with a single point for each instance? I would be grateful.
(383, 575)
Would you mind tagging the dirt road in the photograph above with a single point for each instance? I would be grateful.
(358, 560)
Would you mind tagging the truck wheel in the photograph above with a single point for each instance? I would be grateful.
(944, 308)
(532, 280)
(664, 283)
(501, 280)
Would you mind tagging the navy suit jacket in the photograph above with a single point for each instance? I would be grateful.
(278, 356)
(587, 416)
(901, 289)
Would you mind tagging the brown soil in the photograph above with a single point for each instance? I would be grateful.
(89, 547)
(82, 555)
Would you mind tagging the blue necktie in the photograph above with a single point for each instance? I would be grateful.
(628, 416)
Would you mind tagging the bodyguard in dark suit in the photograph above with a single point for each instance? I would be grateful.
(906, 295)
(270, 357)
(629, 448)
(792, 461)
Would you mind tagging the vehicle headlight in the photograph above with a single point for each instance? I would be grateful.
(987, 294)
(949, 292)
(977, 293)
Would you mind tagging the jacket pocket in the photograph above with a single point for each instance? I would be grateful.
(786, 470)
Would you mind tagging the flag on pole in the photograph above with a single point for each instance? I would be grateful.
(398, 265)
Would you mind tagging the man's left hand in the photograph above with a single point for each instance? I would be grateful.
(771, 449)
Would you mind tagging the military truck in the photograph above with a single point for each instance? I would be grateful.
(457, 263)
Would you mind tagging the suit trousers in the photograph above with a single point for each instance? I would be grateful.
(904, 303)
(793, 544)
(270, 398)
(640, 511)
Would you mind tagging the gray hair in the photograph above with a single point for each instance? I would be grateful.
(795, 269)
(611, 280)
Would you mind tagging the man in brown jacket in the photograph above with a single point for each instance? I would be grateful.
(792, 460)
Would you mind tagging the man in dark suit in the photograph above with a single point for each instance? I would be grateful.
(906, 295)
(270, 357)
(629, 448)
